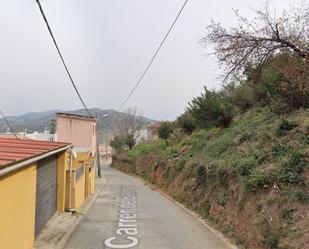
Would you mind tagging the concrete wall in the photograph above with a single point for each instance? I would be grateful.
(78, 131)
(17, 205)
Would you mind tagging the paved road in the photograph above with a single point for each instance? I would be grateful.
(128, 214)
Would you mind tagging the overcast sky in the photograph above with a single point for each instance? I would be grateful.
(107, 45)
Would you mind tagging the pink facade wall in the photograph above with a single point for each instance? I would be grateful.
(78, 131)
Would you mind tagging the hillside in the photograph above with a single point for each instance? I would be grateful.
(249, 180)
(38, 121)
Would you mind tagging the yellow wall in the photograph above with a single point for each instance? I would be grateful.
(85, 185)
(17, 205)
(61, 180)
(81, 158)
(92, 181)
(79, 190)
(87, 180)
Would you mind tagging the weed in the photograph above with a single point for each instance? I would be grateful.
(301, 196)
(290, 170)
(245, 166)
(201, 175)
(181, 163)
(256, 181)
(284, 126)
(205, 209)
(245, 137)
(222, 176)
(286, 213)
(271, 237)
(222, 199)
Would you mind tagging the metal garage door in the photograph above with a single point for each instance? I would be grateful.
(46, 192)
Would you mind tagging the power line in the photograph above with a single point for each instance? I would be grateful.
(155, 55)
(8, 124)
(63, 62)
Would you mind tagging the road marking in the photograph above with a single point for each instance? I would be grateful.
(127, 227)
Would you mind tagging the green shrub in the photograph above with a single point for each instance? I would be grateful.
(201, 175)
(181, 163)
(271, 238)
(218, 146)
(205, 208)
(286, 213)
(279, 150)
(222, 199)
(301, 196)
(165, 130)
(222, 176)
(245, 137)
(283, 126)
(245, 166)
(290, 170)
(243, 95)
(211, 109)
(256, 181)
(186, 122)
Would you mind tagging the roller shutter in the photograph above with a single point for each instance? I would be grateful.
(46, 192)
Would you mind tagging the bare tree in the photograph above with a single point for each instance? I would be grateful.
(253, 42)
(128, 127)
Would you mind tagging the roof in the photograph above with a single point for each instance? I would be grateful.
(76, 116)
(14, 150)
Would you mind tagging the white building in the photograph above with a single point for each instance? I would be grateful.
(43, 136)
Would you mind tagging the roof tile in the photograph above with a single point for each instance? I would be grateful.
(14, 150)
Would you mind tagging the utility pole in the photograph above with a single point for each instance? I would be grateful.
(98, 151)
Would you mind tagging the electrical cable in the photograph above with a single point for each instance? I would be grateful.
(8, 124)
(61, 57)
(155, 55)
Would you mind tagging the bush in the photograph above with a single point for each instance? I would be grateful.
(222, 176)
(245, 166)
(301, 196)
(290, 170)
(165, 130)
(243, 95)
(201, 175)
(118, 143)
(211, 109)
(181, 163)
(283, 126)
(256, 181)
(186, 122)
(222, 199)
(271, 238)
(245, 137)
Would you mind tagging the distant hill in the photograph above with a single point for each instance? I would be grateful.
(39, 121)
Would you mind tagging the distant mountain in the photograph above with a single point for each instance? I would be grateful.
(39, 121)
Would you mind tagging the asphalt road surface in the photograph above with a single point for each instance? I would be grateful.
(128, 214)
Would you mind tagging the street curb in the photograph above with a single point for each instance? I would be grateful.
(61, 244)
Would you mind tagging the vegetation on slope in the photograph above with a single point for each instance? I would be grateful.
(250, 179)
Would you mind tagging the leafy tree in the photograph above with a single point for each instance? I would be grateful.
(211, 109)
(186, 122)
(118, 143)
(165, 130)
